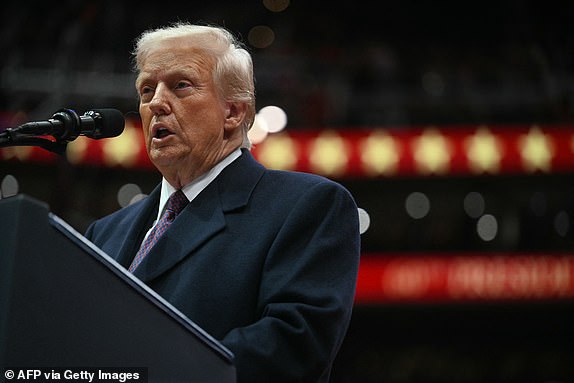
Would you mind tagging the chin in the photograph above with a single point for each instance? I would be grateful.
(166, 159)
(162, 159)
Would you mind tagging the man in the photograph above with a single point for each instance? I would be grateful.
(264, 261)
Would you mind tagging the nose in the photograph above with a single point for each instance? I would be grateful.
(159, 104)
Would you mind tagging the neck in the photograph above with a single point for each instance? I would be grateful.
(178, 177)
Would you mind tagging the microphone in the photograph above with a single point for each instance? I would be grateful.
(67, 125)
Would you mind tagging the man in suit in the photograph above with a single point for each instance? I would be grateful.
(264, 261)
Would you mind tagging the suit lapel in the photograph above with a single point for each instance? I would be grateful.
(142, 221)
(203, 218)
(199, 221)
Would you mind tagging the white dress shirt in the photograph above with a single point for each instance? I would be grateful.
(192, 189)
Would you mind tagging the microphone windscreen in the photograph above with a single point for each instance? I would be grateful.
(112, 122)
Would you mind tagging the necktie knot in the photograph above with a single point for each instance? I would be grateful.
(176, 202)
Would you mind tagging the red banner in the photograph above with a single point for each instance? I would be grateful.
(377, 152)
(403, 278)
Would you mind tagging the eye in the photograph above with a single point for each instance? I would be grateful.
(183, 85)
(146, 93)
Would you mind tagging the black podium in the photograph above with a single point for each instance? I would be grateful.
(65, 303)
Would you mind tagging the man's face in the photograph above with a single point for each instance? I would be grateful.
(183, 116)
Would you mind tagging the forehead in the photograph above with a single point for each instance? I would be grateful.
(175, 55)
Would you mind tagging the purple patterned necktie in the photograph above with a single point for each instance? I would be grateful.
(174, 205)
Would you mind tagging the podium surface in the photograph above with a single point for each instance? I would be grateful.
(65, 303)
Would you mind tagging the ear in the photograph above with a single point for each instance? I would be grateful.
(235, 114)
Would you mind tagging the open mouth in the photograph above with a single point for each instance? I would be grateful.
(161, 133)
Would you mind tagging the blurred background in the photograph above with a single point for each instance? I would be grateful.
(452, 124)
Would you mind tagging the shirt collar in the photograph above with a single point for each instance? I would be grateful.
(192, 189)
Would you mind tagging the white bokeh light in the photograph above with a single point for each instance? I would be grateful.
(474, 204)
(364, 220)
(417, 205)
(275, 117)
(9, 186)
(258, 131)
(126, 193)
(487, 227)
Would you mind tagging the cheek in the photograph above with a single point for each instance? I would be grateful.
(145, 119)
(205, 122)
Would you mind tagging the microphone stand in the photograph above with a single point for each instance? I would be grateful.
(12, 138)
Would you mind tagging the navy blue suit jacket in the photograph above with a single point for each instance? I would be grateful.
(265, 261)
